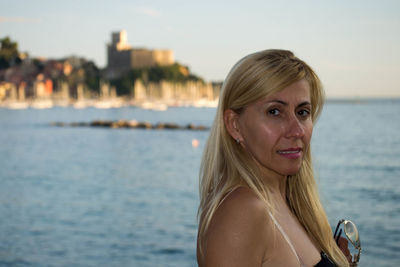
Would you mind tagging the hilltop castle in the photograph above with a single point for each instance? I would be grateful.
(121, 57)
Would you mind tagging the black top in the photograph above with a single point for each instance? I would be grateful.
(325, 261)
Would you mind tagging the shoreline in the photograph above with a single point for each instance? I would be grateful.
(159, 105)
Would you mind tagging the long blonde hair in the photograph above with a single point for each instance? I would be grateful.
(226, 166)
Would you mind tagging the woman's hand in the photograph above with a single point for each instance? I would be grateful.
(344, 247)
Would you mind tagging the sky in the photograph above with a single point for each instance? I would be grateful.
(354, 46)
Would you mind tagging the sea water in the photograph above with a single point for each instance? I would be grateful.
(129, 197)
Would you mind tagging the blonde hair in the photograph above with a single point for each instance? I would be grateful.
(225, 166)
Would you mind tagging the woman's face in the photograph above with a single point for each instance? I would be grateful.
(276, 130)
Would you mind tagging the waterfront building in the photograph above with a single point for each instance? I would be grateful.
(121, 57)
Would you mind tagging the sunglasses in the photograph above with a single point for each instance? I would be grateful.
(351, 233)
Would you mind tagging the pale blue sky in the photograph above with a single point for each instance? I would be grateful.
(352, 45)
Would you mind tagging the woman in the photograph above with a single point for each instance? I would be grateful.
(259, 202)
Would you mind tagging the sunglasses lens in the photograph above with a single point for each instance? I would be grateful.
(351, 231)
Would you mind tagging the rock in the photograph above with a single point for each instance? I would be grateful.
(121, 124)
(172, 126)
(132, 124)
(79, 124)
(196, 127)
(144, 125)
(101, 123)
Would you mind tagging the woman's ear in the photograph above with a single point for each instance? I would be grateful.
(232, 125)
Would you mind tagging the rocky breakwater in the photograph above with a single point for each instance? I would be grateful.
(131, 124)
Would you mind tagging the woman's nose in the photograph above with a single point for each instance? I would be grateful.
(294, 128)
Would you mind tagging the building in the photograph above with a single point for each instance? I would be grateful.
(121, 57)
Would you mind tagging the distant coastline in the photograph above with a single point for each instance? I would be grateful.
(159, 105)
(360, 100)
(117, 102)
(148, 78)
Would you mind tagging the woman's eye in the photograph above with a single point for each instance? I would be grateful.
(274, 112)
(304, 113)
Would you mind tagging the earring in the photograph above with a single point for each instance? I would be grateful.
(237, 141)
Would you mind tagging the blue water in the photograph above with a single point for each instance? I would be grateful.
(119, 197)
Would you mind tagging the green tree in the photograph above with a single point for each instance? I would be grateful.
(8, 53)
(92, 76)
(125, 83)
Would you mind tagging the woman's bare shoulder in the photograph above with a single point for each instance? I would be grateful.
(242, 200)
(236, 235)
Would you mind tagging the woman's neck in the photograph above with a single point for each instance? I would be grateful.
(275, 182)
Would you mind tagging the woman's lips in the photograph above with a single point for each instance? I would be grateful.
(291, 153)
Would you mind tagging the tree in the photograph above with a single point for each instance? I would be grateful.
(92, 76)
(9, 54)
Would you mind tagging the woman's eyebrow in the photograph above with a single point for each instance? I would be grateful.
(305, 103)
(278, 101)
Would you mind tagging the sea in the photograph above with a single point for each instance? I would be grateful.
(82, 196)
